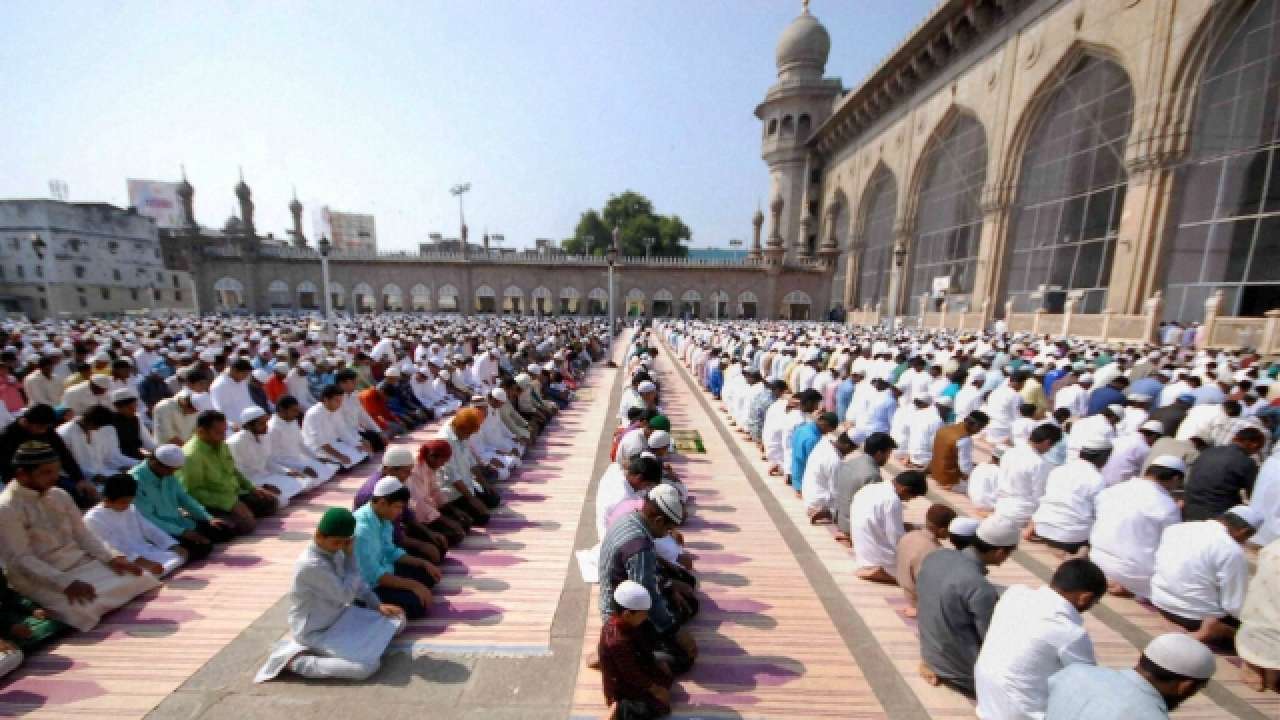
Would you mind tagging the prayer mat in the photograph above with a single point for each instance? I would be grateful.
(688, 441)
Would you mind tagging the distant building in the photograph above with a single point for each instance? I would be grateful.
(93, 259)
(716, 254)
(349, 232)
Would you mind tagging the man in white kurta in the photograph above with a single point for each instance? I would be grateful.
(1129, 453)
(126, 532)
(1130, 519)
(876, 524)
(95, 447)
(923, 425)
(1023, 474)
(250, 447)
(327, 434)
(49, 554)
(1066, 511)
(1265, 498)
(818, 485)
(230, 391)
(1002, 409)
(284, 435)
(1202, 572)
(773, 435)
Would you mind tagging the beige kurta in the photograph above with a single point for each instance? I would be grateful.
(1258, 640)
(45, 546)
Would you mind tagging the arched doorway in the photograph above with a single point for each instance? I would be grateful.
(228, 293)
(570, 301)
(691, 304)
(308, 295)
(635, 302)
(598, 302)
(392, 298)
(662, 304)
(486, 300)
(448, 299)
(420, 298)
(513, 300)
(541, 298)
(362, 298)
(747, 304)
(796, 305)
(880, 208)
(278, 295)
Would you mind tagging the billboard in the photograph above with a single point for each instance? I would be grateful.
(158, 201)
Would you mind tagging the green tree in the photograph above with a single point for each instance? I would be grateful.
(634, 216)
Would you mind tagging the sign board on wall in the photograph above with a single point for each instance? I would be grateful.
(157, 200)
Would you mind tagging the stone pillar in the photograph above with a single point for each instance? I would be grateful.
(1137, 268)
(897, 277)
(1069, 309)
(1037, 321)
(1270, 344)
(768, 306)
(1212, 306)
(467, 299)
(1152, 310)
(757, 221)
(990, 264)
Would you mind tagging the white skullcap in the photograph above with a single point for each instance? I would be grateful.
(261, 375)
(208, 356)
(280, 368)
(632, 596)
(1154, 426)
(667, 498)
(498, 394)
(120, 395)
(1096, 441)
(1183, 655)
(102, 381)
(945, 401)
(1138, 397)
(386, 486)
(534, 369)
(251, 413)
(1170, 462)
(999, 531)
(184, 393)
(1248, 514)
(966, 526)
(169, 456)
(397, 456)
(307, 366)
(1086, 378)
(391, 372)
(977, 375)
(1117, 410)
(856, 436)
(646, 387)
(659, 439)
(443, 374)
(101, 358)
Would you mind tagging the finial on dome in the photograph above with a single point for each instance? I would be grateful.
(804, 7)
(183, 168)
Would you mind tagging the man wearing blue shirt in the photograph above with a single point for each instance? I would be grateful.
(1172, 669)
(1110, 394)
(805, 437)
(396, 577)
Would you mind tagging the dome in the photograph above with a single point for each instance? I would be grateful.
(804, 42)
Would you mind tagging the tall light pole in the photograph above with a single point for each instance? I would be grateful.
(648, 246)
(39, 245)
(458, 191)
(611, 257)
(325, 248)
(895, 280)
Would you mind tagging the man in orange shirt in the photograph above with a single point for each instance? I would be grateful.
(953, 450)
(275, 384)
(374, 401)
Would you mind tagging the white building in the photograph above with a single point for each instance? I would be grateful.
(76, 259)
(349, 232)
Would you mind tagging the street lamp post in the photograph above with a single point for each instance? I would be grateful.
(611, 257)
(325, 248)
(648, 246)
(899, 259)
(40, 246)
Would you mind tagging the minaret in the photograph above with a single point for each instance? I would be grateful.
(295, 209)
(246, 207)
(796, 105)
(187, 194)
(757, 221)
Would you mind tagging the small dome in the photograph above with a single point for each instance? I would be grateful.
(804, 42)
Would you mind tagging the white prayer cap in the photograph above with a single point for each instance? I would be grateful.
(123, 394)
(184, 393)
(386, 486)
(251, 413)
(102, 381)
(261, 375)
(667, 498)
(1114, 409)
(1154, 426)
(280, 368)
(208, 356)
(392, 372)
(646, 387)
(1248, 514)
(498, 394)
(632, 596)
(1095, 441)
(307, 366)
(397, 456)
(999, 531)
(977, 375)
(965, 526)
(1170, 462)
(1086, 379)
(945, 401)
(102, 357)
(170, 456)
(812, 354)
(443, 374)
(534, 369)
(1138, 397)
(856, 436)
(659, 439)
(1183, 655)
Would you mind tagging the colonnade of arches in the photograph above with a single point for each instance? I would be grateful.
(1049, 224)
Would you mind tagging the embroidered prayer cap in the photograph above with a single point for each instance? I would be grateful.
(963, 526)
(397, 456)
(1154, 426)
(632, 596)
(659, 439)
(660, 422)
(337, 522)
(1248, 514)
(123, 395)
(251, 413)
(646, 387)
(170, 456)
(1183, 655)
(100, 381)
(34, 452)
(667, 499)
(388, 485)
(999, 531)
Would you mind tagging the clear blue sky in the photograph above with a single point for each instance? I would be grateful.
(545, 107)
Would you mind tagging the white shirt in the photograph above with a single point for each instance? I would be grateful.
(98, 454)
(1087, 428)
(252, 455)
(295, 383)
(984, 484)
(230, 398)
(1200, 571)
(130, 534)
(1130, 519)
(321, 427)
(923, 425)
(79, 398)
(771, 433)
(171, 421)
(1002, 410)
(632, 443)
(1265, 498)
(1033, 634)
(1074, 398)
(287, 447)
(1066, 510)
(1128, 455)
(1023, 474)
(876, 524)
(818, 485)
(968, 399)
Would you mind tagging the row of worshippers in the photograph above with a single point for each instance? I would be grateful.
(1201, 591)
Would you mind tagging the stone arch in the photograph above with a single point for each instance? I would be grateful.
(337, 295)
(513, 300)
(1070, 185)
(420, 298)
(392, 298)
(278, 295)
(308, 295)
(788, 127)
(448, 298)
(946, 201)
(540, 301)
(598, 302)
(691, 303)
(570, 301)
(803, 126)
(796, 305)
(362, 298)
(773, 126)
(486, 299)
(835, 233)
(229, 293)
(878, 213)
(719, 305)
(635, 302)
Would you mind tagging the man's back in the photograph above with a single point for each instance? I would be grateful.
(1215, 481)
(956, 603)
(1088, 692)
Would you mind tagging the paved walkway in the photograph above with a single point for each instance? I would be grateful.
(1119, 628)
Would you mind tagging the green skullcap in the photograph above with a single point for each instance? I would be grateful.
(337, 522)
(659, 422)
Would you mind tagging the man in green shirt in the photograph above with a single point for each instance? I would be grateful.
(162, 500)
(210, 476)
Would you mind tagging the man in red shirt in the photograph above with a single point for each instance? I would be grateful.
(374, 402)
